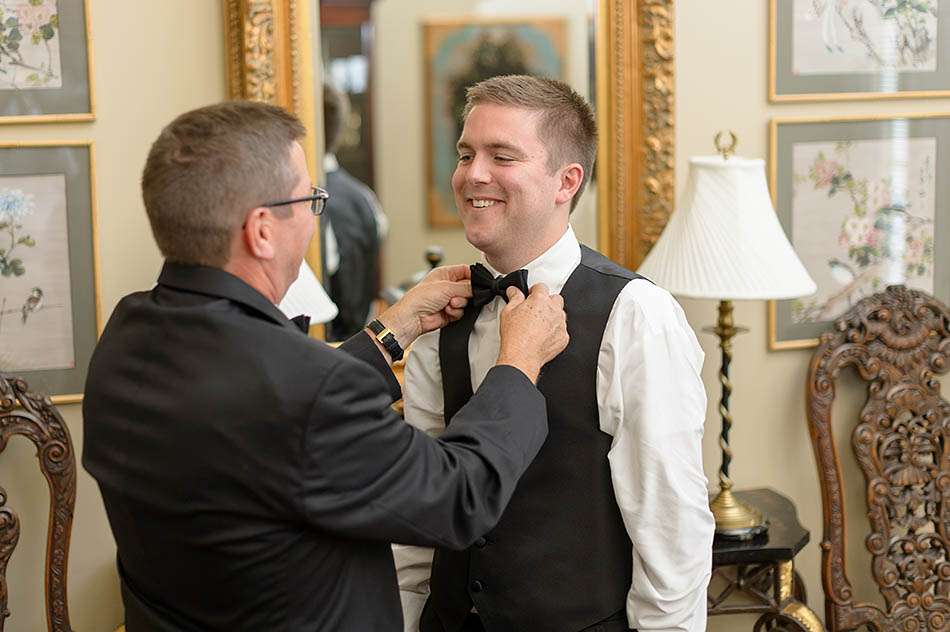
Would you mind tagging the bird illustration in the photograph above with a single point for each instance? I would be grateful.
(896, 212)
(841, 272)
(32, 303)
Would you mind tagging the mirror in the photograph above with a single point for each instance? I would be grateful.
(618, 53)
(403, 66)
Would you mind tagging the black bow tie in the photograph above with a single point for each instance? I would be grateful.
(303, 322)
(486, 287)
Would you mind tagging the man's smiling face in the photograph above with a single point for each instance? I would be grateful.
(504, 191)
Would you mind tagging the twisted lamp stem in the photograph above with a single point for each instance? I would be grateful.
(734, 519)
(726, 331)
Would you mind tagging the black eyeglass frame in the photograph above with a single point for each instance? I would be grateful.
(318, 201)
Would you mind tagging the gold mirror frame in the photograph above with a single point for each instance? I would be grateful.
(269, 58)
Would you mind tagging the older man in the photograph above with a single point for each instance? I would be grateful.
(254, 477)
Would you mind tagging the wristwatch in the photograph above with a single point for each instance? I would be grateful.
(387, 339)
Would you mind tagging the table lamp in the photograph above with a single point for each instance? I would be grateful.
(725, 242)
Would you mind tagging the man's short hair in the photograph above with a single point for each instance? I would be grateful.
(567, 126)
(208, 168)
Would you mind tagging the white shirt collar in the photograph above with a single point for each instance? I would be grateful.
(330, 163)
(554, 265)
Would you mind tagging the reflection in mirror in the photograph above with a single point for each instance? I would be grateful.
(396, 60)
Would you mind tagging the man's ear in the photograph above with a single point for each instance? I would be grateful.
(571, 177)
(258, 233)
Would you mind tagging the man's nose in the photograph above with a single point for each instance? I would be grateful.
(478, 171)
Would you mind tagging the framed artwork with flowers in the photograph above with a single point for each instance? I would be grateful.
(49, 272)
(863, 203)
(45, 61)
(823, 50)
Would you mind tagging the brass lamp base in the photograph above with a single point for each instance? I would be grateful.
(735, 520)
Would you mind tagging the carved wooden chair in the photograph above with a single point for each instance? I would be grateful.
(898, 341)
(35, 417)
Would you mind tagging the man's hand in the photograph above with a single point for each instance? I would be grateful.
(533, 330)
(437, 300)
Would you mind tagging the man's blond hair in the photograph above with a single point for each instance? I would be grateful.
(567, 126)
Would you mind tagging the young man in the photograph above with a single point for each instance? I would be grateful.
(610, 526)
(254, 477)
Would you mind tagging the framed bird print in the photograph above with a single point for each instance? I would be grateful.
(824, 50)
(865, 206)
(49, 272)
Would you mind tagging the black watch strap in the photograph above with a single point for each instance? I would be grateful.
(387, 339)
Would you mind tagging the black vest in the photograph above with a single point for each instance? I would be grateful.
(560, 558)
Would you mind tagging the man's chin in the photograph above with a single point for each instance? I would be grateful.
(477, 239)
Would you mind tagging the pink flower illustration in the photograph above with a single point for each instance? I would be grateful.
(33, 17)
(825, 170)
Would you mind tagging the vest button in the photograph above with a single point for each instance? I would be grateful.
(481, 542)
(477, 586)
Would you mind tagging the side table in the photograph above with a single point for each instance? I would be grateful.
(761, 570)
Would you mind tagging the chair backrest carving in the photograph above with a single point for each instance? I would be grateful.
(35, 417)
(899, 342)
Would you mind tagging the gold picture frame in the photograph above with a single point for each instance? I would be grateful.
(78, 89)
(784, 332)
(64, 385)
(269, 58)
(839, 85)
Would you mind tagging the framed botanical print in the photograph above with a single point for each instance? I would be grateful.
(49, 272)
(45, 61)
(863, 203)
(858, 49)
(460, 53)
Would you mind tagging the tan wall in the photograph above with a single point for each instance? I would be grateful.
(153, 60)
(721, 83)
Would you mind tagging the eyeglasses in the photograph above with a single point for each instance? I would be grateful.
(318, 200)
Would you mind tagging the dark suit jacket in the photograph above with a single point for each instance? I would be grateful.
(254, 477)
(354, 285)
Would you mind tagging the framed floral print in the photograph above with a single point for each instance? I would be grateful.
(460, 53)
(858, 49)
(49, 288)
(863, 203)
(45, 61)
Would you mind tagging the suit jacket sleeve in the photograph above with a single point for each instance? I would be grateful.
(362, 347)
(367, 474)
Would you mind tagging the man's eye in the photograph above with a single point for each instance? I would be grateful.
(504, 158)
(464, 158)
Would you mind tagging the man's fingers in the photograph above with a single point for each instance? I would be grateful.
(459, 288)
(453, 314)
(515, 297)
(452, 273)
(540, 288)
(458, 302)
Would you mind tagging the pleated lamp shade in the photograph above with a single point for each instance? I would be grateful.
(724, 240)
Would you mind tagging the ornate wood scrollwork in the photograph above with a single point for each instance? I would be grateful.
(898, 341)
(35, 417)
(636, 64)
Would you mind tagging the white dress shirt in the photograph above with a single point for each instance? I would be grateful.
(652, 402)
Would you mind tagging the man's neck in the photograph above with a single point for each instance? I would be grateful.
(255, 276)
(506, 262)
